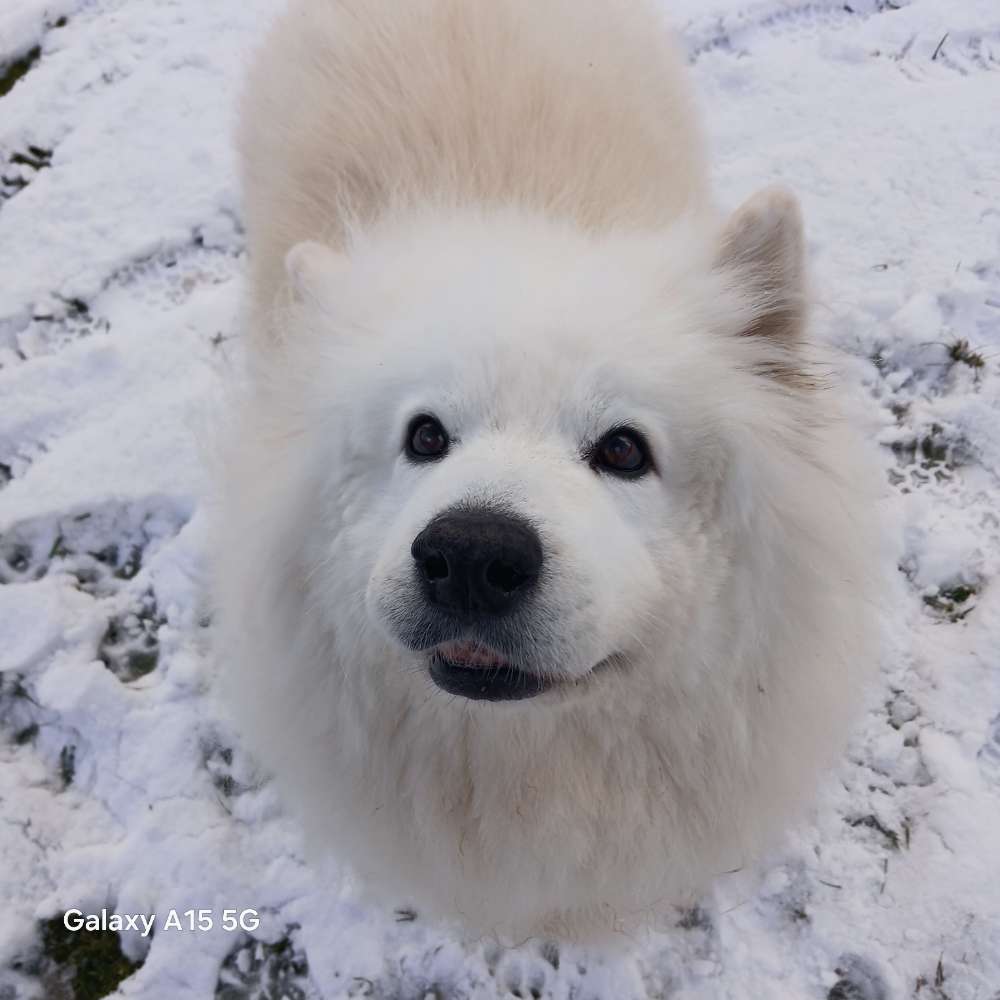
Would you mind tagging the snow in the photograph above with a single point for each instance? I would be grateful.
(121, 263)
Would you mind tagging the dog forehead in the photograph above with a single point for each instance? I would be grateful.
(552, 378)
(510, 319)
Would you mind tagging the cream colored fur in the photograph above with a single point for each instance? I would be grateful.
(497, 211)
(360, 108)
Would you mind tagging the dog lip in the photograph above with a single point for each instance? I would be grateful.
(472, 670)
(482, 675)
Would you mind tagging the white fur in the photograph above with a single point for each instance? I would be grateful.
(533, 279)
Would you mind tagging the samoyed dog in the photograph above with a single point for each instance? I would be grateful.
(544, 563)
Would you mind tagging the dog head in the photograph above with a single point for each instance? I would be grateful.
(532, 445)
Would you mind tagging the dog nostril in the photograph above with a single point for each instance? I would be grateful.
(435, 568)
(502, 576)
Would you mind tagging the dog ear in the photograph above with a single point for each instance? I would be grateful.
(763, 252)
(315, 273)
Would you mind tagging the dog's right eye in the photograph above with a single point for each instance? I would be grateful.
(426, 439)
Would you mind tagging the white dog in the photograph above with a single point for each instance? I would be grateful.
(544, 567)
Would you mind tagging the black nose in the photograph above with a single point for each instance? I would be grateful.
(477, 561)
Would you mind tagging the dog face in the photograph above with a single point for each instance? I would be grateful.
(522, 433)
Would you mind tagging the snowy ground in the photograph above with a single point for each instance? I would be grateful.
(120, 274)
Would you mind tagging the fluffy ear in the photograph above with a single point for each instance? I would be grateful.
(763, 250)
(315, 273)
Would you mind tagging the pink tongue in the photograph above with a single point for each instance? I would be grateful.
(471, 654)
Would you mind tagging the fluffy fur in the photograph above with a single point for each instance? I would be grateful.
(497, 212)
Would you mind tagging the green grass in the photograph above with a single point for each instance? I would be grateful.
(11, 72)
(952, 603)
(82, 965)
(129, 647)
(872, 822)
(961, 353)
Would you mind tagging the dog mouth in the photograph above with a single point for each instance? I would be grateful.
(479, 673)
(475, 671)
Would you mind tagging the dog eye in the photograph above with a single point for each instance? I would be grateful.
(426, 439)
(623, 452)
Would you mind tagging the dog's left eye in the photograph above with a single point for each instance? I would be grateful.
(623, 452)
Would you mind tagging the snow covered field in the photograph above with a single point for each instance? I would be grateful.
(121, 785)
